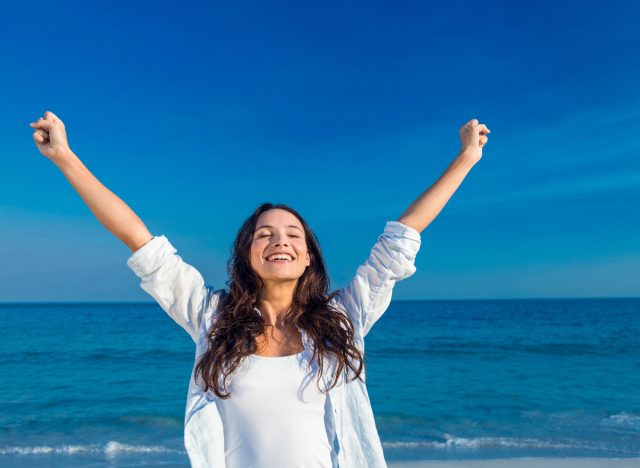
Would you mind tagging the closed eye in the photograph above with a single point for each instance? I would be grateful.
(290, 235)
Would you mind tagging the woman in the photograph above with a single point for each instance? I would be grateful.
(278, 378)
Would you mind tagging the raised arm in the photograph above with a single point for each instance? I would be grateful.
(392, 258)
(51, 139)
(473, 137)
(175, 285)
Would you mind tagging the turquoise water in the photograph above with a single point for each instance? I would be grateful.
(105, 384)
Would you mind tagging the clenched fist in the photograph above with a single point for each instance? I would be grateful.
(50, 137)
(473, 137)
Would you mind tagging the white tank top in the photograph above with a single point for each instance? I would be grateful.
(276, 416)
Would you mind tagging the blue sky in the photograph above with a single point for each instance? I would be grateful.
(196, 112)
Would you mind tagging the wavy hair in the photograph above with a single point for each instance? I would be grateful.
(233, 333)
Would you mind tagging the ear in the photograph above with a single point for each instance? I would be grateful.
(308, 259)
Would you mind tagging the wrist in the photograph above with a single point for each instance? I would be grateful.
(64, 159)
(469, 156)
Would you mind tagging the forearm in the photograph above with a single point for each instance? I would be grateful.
(429, 204)
(111, 211)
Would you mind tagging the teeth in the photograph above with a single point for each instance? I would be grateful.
(279, 257)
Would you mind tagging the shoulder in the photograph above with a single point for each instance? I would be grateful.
(333, 300)
(214, 296)
(336, 302)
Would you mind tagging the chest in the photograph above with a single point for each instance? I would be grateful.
(277, 341)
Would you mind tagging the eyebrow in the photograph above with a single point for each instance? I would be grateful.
(269, 226)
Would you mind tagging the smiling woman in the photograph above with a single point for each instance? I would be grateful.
(290, 295)
(277, 328)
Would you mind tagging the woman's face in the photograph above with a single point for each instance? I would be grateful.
(278, 231)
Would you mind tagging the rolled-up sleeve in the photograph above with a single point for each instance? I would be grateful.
(177, 286)
(392, 259)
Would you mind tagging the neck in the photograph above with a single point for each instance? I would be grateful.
(275, 301)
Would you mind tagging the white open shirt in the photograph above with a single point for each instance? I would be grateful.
(181, 292)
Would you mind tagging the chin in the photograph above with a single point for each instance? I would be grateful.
(281, 278)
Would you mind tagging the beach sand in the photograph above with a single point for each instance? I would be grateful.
(524, 463)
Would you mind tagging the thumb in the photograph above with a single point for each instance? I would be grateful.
(40, 136)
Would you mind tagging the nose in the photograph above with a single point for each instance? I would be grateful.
(280, 242)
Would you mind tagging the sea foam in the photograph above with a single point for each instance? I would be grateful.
(110, 448)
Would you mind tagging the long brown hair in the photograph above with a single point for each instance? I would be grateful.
(232, 336)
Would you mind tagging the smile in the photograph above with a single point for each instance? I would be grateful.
(279, 258)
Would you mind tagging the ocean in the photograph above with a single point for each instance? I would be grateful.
(447, 380)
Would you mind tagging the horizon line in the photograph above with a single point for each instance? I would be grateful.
(8, 303)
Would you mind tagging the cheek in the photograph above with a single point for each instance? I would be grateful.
(303, 253)
(256, 253)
